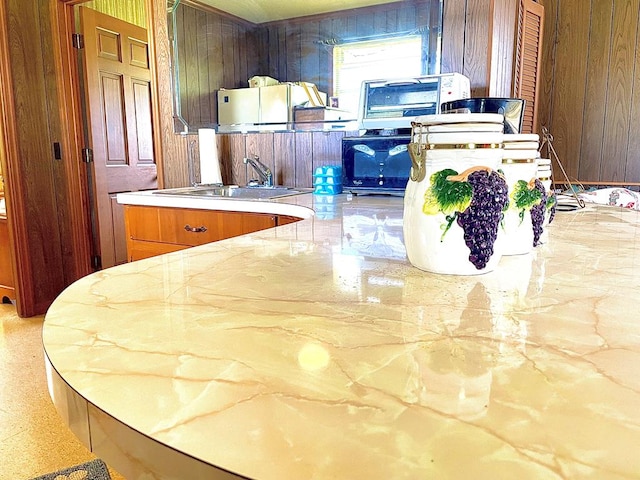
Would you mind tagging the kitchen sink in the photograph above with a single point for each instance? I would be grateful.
(232, 191)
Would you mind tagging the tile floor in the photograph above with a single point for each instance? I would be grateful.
(33, 438)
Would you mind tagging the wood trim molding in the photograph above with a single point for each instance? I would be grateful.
(62, 26)
(9, 156)
(152, 35)
(68, 85)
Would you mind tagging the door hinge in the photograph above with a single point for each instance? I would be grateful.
(77, 40)
(96, 262)
(87, 155)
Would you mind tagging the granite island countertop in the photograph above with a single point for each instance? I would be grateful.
(316, 351)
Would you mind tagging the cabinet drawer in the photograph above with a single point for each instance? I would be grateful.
(191, 227)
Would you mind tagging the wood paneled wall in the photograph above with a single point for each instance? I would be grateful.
(301, 50)
(477, 40)
(218, 51)
(591, 89)
(215, 51)
(38, 206)
(132, 11)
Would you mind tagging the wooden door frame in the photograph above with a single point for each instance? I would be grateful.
(72, 141)
(16, 208)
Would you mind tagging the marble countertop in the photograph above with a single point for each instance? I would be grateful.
(316, 351)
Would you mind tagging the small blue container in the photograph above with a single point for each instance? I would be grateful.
(327, 180)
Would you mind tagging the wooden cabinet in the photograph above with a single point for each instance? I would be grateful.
(7, 291)
(153, 231)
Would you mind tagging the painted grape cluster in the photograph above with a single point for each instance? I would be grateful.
(475, 200)
(538, 211)
(551, 207)
(524, 195)
(533, 196)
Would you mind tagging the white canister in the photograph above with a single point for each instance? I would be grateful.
(434, 240)
(520, 170)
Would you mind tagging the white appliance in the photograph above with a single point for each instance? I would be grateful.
(394, 103)
(264, 107)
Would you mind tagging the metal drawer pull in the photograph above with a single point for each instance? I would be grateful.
(189, 228)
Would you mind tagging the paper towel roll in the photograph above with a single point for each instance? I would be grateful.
(209, 163)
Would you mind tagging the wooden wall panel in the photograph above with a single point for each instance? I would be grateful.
(477, 48)
(590, 101)
(568, 98)
(502, 48)
(284, 150)
(632, 171)
(548, 61)
(619, 90)
(260, 144)
(132, 11)
(599, 49)
(214, 52)
(327, 149)
(173, 149)
(34, 168)
(469, 28)
(304, 159)
(453, 27)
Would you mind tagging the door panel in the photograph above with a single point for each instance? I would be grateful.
(118, 93)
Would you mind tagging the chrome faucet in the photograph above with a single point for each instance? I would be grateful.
(261, 169)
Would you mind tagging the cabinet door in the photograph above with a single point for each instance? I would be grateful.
(6, 271)
(156, 230)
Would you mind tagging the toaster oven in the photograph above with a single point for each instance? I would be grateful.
(392, 104)
(379, 164)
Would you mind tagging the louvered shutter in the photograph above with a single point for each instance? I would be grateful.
(528, 60)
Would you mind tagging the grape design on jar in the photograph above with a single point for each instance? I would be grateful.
(524, 196)
(551, 206)
(537, 212)
(476, 200)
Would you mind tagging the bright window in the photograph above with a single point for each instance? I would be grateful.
(354, 62)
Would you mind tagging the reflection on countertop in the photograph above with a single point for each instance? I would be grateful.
(315, 350)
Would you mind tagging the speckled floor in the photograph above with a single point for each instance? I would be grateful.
(33, 438)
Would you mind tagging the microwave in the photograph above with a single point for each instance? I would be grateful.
(376, 164)
(393, 104)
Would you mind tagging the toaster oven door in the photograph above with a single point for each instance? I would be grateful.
(376, 163)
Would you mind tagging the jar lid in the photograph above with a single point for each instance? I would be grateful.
(521, 137)
(521, 145)
(463, 127)
(456, 138)
(440, 118)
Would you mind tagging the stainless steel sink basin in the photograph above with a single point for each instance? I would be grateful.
(231, 191)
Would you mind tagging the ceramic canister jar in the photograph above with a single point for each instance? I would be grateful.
(455, 196)
(520, 168)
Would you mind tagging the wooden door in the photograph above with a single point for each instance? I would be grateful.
(118, 100)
